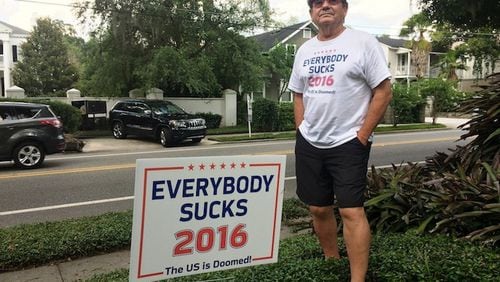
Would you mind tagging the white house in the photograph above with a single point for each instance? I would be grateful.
(11, 38)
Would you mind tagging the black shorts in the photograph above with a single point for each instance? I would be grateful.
(326, 175)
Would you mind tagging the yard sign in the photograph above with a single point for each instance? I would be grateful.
(196, 215)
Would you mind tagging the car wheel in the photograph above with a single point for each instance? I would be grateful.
(166, 137)
(196, 140)
(119, 130)
(29, 155)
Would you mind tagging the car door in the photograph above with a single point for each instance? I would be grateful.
(7, 129)
(144, 119)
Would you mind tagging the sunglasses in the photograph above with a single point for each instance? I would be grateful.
(319, 3)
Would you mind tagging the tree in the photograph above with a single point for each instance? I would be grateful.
(178, 46)
(280, 63)
(444, 96)
(416, 26)
(476, 23)
(406, 103)
(45, 68)
(465, 15)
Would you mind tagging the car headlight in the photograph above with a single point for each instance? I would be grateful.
(177, 124)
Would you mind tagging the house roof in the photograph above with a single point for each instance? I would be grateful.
(392, 42)
(269, 39)
(14, 29)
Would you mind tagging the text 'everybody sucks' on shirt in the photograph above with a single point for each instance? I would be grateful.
(336, 78)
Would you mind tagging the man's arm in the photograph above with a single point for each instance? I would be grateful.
(298, 109)
(382, 95)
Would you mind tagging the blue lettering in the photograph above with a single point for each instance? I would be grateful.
(212, 214)
(226, 208)
(241, 204)
(173, 191)
(185, 210)
(228, 185)
(242, 188)
(201, 185)
(188, 187)
(157, 190)
(215, 184)
(267, 181)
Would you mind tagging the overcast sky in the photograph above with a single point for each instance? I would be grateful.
(376, 17)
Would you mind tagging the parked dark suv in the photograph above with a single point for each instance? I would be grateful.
(159, 119)
(28, 132)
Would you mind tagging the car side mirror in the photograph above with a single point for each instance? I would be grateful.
(147, 112)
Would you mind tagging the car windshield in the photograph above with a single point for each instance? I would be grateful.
(166, 108)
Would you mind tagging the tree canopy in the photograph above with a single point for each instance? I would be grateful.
(189, 48)
(45, 68)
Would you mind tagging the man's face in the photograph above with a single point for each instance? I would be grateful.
(328, 12)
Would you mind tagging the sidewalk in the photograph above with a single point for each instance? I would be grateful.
(85, 268)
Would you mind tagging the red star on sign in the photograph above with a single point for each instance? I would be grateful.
(202, 167)
(191, 167)
(212, 166)
(243, 165)
(233, 165)
(223, 166)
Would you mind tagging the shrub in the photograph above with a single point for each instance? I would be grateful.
(37, 244)
(70, 116)
(286, 117)
(265, 114)
(394, 257)
(212, 120)
(406, 103)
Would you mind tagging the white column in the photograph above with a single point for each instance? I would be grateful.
(7, 63)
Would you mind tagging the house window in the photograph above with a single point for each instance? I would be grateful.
(402, 64)
(1, 49)
(14, 53)
(291, 49)
(306, 33)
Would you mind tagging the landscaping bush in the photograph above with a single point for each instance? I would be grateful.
(37, 244)
(406, 103)
(286, 117)
(394, 257)
(265, 114)
(212, 120)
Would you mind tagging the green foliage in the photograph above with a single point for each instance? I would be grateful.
(194, 51)
(463, 14)
(45, 69)
(286, 117)
(212, 120)
(280, 62)
(406, 103)
(265, 114)
(483, 128)
(393, 257)
(474, 23)
(30, 245)
(445, 96)
(71, 117)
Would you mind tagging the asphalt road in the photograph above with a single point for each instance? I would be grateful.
(102, 178)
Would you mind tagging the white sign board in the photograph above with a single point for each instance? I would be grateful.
(196, 215)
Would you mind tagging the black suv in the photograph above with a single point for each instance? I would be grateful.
(159, 119)
(28, 132)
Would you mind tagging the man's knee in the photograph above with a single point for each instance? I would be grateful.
(353, 214)
(321, 212)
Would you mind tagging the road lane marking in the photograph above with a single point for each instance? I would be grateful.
(132, 165)
(65, 171)
(88, 203)
(67, 206)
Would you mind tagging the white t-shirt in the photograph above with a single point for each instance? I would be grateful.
(336, 78)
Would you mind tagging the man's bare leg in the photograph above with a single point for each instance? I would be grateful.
(357, 239)
(325, 226)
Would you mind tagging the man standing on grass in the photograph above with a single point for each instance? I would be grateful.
(341, 86)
